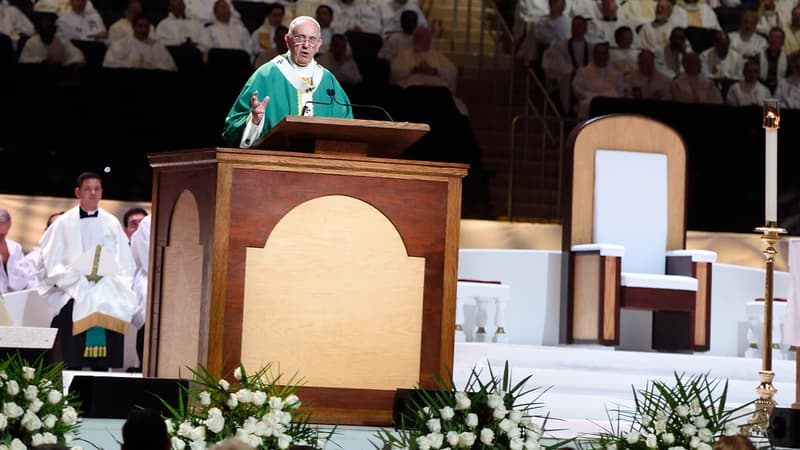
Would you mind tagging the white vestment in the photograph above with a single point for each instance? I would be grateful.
(744, 94)
(669, 61)
(123, 28)
(391, 12)
(700, 15)
(591, 81)
(559, 63)
(715, 67)
(203, 10)
(792, 42)
(769, 20)
(600, 30)
(763, 66)
(637, 12)
(346, 72)
(66, 240)
(13, 277)
(174, 31)
(788, 91)
(57, 6)
(697, 89)
(263, 38)
(654, 87)
(624, 60)
(394, 44)
(80, 26)
(60, 51)
(13, 22)
(134, 54)
(230, 35)
(140, 248)
(360, 14)
(405, 61)
(751, 46)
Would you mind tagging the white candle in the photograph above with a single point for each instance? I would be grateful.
(771, 175)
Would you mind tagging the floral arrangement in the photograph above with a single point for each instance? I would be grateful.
(690, 414)
(259, 409)
(486, 414)
(34, 409)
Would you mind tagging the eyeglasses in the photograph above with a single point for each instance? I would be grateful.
(301, 38)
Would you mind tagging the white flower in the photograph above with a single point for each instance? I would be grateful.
(695, 410)
(170, 425)
(494, 400)
(233, 401)
(12, 410)
(198, 445)
(178, 444)
(215, 422)
(27, 372)
(651, 441)
(531, 444)
(49, 438)
(447, 413)
(69, 437)
(54, 396)
(452, 438)
(731, 429)
(423, 443)
(31, 392)
(16, 444)
(661, 425)
(436, 439)
(611, 446)
(69, 416)
(688, 430)
(682, 410)
(185, 429)
(668, 438)
(466, 439)
(703, 446)
(35, 405)
(49, 421)
(292, 402)
(205, 398)
(515, 443)
(12, 387)
(462, 401)
(259, 397)
(700, 421)
(224, 384)
(694, 442)
(705, 435)
(276, 403)
(3, 421)
(487, 436)
(237, 373)
(633, 437)
(646, 419)
(37, 439)
(244, 396)
(471, 420)
(505, 425)
(515, 416)
(434, 425)
(500, 412)
(284, 441)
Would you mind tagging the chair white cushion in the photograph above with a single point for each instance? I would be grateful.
(604, 249)
(703, 256)
(652, 281)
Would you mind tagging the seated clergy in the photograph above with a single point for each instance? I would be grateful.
(720, 62)
(392, 11)
(339, 60)
(669, 58)
(624, 55)
(746, 41)
(654, 35)
(597, 79)
(227, 33)
(81, 23)
(123, 27)
(788, 90)
(178, 29)
(49, 47)
(691, 86)
(139, 51)
(699, 14)
(748, 91)
(396, 42)
(563, 58)
(12, 273)
(264, 36)
(14, 23)
(647, 83)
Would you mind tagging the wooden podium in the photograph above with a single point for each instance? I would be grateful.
(341, 268)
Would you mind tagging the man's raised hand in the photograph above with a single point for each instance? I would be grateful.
(257, 108)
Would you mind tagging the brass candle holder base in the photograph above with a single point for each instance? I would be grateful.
(759, 422)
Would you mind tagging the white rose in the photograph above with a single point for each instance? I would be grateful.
(611, 446)
(3, 447)
(452, 438)
(700, 422)
(244, 396)
(466, 439)
(50, 438)
(50, 421)
(224, 384)
(694, 442)
(54, 396)
(471, 420)
(423, 443)
(731, 429)
(703, 446)
(633, 437)
(284, 441)
(493, 401)
(661, 425)
(462, 401)
(249, 425)
(436, 439)
(185, 429)
(3, 421)
(205, 398)
(292, 402)
(31, 392)
(434, 425)
(198, 433)
(259, 397)
(16, 444)
(254, 441)
(233, 401)
(688, 430)
(515, 443)
(275, 403)
(668, 438)
(3, 375)
(499, 412)
(531, 444)
(705, 435)
(651, 441)
(12, 387)
(37, 439)
(447, 413)
(12, 410)
(261, 429)
(35, 405)
(30, 421)
(237, 373)
(515, 416)
(69, 416)
(682, 410)
(487, 436)
(505, 425)
(69, 437)
(178, 444)
(198, 445)
(27, 372)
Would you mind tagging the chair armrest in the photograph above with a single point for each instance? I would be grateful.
(698, 256)
(603, 249)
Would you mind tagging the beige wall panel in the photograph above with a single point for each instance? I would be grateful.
(586, 300)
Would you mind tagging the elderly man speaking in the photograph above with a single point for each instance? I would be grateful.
(292, 83)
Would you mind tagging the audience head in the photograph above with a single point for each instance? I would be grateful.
(423, 39)
(556, 8)
(222, 11)
(339, 47)
(89, 190)
(623, 36)
(303, 40)
(748, 22)
(53, 218)
(46, 27)
(736, 442)
(324, 16)
(275, 14)
(78, 6)
(646, 62)
(177, 8)
(600, 54)
(578, 28)
(608, 8)
(5, 223)
(663, 10)
(133, 9)
(722, 43)
(692, 64)
(775, 39)
(751, 71)
(141, 27)
(767, 5)
(409, 21)
(131, 219)
(677, 39)
(145, 430)
(280, 38)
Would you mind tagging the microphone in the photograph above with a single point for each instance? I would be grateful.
(311, 102)
(332, 94)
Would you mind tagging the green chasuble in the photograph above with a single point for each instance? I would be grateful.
(284, 99)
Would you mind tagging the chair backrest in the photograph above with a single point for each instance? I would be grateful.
(93, 51)
(7, 55)
(657, 152)
(630, 207)
(187, 59)
(252, 13)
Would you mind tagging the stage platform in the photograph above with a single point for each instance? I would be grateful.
(582, 383)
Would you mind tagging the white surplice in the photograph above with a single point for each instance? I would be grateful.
(135, 54)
